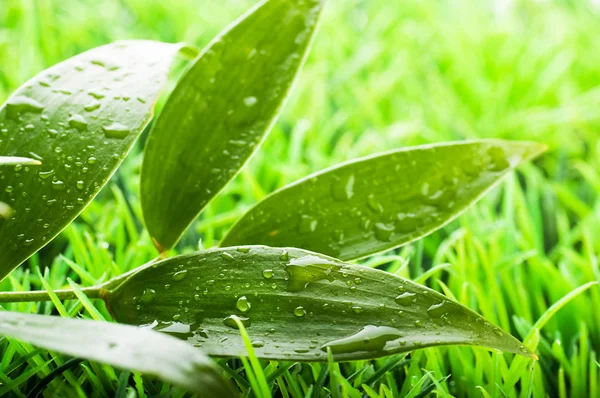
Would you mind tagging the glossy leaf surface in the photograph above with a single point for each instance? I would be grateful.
(79, 119)
(294, 304)
(380, 202)
(220, 111)
(122, 346)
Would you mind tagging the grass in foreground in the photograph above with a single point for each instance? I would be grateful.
(382, 75)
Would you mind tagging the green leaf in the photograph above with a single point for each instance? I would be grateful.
(220, 111)
(380, 202)
(123, 346)
(79, 118)
(16, 160)
(294, 305)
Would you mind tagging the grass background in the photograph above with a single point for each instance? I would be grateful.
(382, 74)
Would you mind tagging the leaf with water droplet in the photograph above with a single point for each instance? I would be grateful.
(79, 150)
(356, 311)
(382, 201)
(220, 111)
(122, 346)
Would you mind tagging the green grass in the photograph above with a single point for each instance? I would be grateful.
(383, 74)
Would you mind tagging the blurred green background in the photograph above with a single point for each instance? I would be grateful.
(385, 74)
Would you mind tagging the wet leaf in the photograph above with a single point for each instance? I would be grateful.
(16, 160)
(122, 346)
(220, 111)
(79, 119)
(295, 304)
(380, 202)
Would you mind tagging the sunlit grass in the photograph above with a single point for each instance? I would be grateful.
(383, 74)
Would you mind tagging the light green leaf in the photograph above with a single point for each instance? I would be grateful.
(79, 118)
(220, 111)
(380, 202)
(16, 160)
(123, 346)
(295, 304)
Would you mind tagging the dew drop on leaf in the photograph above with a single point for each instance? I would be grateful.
(180, 275)
(78, 122)
(268, 273)
(116, 130)
(230, 321)
(299, 311)
(406, 299)
(243, 304)
(250, 101)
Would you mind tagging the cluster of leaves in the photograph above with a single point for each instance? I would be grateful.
(65, 132)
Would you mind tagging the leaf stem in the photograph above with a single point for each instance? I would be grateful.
(43, 295)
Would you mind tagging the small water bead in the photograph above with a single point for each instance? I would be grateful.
(258, 344)
(80, 185)
(384, 232)
(116, 130)
(58, 185)
(243, 304)
(148, 296)
(227, 256)
(24, 104)
(250, 101)
(78, 122)
(180, 275)
(243, 249)
(406, 299)
(176, 317)
(307, 224)
(230, 321)
(92, 106)
(268, 273)
(373, 204)
(299, 311)
(344, 189)
(96, 94)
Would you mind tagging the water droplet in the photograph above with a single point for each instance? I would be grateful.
(148, 295)
(24, 104)
(58, 185)
(176, 317)
(92, 160)
(180, 275)
(437, 310)
(96, 94)
(374, 204)
(369, 339)
(383, 232)
(406, 299)
(45, 174)
(115, 130)
(307, 224)
(227, 256)
(92, 106)
(299, 311)
(230, 321)
(258, 344)
(268, 273)
(344, 189)
(498, 159)
(308, 269)
(250, 101)
(80, 185)
(78, 122)
(243, 304)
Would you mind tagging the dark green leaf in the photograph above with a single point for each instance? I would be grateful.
(122, 346)
(380, 202)
(79, 118)
(220, 111)
(294, 305)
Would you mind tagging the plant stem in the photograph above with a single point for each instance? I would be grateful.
(43, 295)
